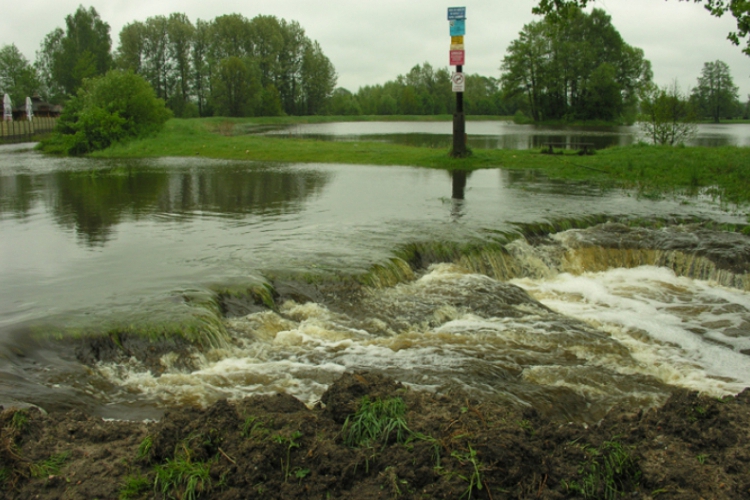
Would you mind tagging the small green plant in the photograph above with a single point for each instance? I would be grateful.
(291, 443)
(182, 478)
(253, 426)
(19, 421)
(527, 427)
(375, 421)
(301, 474)
(702, 458)
(145, 447)
(49, 467)
(134, 487)
(475, 478)
(608, 474)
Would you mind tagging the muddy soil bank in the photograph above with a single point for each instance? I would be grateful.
(438, 446)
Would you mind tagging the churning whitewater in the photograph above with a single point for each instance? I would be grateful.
(574, 346)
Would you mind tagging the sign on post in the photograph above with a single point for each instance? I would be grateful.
(457, 22)
(457, 57)
(458, 27)
(459, 82)
(456, 13)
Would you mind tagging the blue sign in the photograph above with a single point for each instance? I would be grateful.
(458, 27)
(456, 13)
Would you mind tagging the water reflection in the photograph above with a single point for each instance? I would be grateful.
(92, 202)
(502, 135)
(458, 178)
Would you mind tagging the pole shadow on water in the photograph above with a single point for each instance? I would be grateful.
(458, 178)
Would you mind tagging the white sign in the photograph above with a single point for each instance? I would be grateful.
(29, 109)
(7, 108)
(459, 82)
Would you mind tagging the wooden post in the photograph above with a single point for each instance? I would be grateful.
(459, 124)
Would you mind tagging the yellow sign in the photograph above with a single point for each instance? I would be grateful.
(457, 40)
(457, 46)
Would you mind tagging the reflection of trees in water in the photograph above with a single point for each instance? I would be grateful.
(93, 202)
(16, 194)
(238, 192)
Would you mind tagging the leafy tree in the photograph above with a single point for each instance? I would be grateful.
(81, 51)
(270, 102)
(740, 9)
(483, 96)
(18, 78)
(182, 62)
(236, 87)
(343, 103)
(716, 96)
(45, 61)
(131, 52)
(318, 79)
(201, 66)
(575, 66)
(113, 108)
(180, 32)
(668, 117)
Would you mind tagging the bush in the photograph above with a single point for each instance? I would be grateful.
(113, 108)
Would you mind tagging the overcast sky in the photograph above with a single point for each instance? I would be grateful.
(373, 42)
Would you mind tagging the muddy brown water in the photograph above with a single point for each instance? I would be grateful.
(570, 323)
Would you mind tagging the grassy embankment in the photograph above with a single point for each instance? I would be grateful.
(653, 170)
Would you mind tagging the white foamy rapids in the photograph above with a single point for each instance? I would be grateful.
(451, 337)
(685, 332)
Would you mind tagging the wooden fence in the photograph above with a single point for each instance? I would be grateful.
(24, 130)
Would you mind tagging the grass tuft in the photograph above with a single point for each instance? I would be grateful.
(134, 487)
(609, 474)
(182, 478)
(376, 421)
(50, 467)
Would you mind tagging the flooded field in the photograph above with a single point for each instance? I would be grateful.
(282, 277)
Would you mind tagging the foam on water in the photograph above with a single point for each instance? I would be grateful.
(617, 336)
(684, 332)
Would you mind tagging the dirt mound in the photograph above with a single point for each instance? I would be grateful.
(374, 438)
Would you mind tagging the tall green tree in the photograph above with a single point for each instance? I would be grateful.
(157, 67)
(716, 95)
(193, 67)
(201, 66)
(82, 50)
(50, 88)
(575, 67)
(289, 75)
(18, 78)
(236, 87)
(740, 9)
(318, 79)
(180, 32)
(131, 53)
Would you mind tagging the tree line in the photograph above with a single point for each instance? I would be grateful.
(568, 66)
(230, 66)
(423, 91)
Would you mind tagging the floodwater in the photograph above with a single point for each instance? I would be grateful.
(89, 247)
(503, 135)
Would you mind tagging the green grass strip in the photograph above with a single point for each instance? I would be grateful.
(722, 172)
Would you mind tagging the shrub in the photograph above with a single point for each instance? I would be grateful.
(113, 108)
